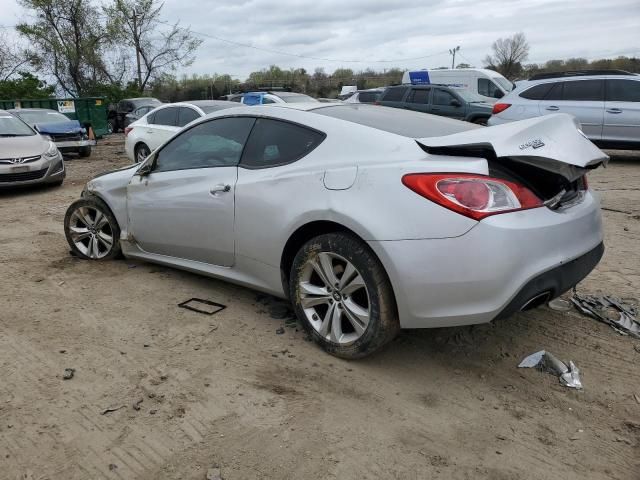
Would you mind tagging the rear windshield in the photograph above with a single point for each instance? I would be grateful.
(33, 117)
(297, 98)
(470, 97)
(10, 126)
(369, 97)
(393, 120)
(214, 108)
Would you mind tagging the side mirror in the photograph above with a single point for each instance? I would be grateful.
(455, 103)
(147, 167)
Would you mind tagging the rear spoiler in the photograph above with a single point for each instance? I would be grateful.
(551, 142)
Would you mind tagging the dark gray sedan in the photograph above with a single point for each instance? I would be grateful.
(26, 157)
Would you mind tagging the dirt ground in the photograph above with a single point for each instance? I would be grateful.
(191, 392)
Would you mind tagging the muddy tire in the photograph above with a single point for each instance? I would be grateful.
(91, 230)
(480, 121)
(84, 152)
(342, 295)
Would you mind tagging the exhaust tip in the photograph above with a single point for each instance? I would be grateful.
(536, 301)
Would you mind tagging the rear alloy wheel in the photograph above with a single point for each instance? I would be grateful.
(141, 153)
(343, 296)
(91, 230)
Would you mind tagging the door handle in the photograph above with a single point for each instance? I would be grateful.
(552, 108)
(614, 110)
(149, 131)
(220, 189)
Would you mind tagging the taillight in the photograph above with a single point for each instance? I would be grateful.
(474, 196)
(127, 130)
(500, 107)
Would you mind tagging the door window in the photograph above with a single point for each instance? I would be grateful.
(394, 94)
(584, 90)
(623, 91)
(489, 89)
(419, 95)
(216, 143)
(165, 116)
(186, 115)
(274, 143)
(537, 92)
(442, 97)
(556, 92)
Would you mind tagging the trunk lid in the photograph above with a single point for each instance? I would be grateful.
(552, 142)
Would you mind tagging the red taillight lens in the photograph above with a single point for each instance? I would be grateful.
(474, 196)
(500, 107)
(127, 130)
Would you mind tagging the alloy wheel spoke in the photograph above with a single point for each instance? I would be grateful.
(357, 316)
(325, 326)
(101, 220)
(83, 217)
(106, 240)
(349, 272)
(79, 233)
(336, 325)
(326, 265)
(355, 283)
(313, 295)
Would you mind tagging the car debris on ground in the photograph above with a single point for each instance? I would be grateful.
(569, 375)
(206, 307)
(68, 373)
(615, 312)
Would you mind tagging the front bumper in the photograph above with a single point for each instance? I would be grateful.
(480, 275)
(40, 172)
(74, 144)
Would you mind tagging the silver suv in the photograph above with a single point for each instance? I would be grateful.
(607, 104)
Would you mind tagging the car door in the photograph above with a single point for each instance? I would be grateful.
(622, 111)
(584, 99)
(445, 103)
(184, 208)
(418, 99)
(161, 126)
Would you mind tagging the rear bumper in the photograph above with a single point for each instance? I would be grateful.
(484, 273)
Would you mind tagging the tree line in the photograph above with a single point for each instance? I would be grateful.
(124, 48)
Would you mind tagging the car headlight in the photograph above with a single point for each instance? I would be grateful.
(52, 151)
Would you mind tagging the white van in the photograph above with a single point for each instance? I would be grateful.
(488, 84)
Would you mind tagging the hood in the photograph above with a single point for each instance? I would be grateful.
(19, 147)
(551, 142)
(72, 126)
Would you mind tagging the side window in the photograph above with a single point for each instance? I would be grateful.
(555, 93)
(217, 143)
(394, 94)
(236, 99)
(274, 143)
(538, 92)
(419, 95)
(368, 97)
(442, 97)
(165, 116)
(266, 100)
(186, 115)
(584, 90)
(623, 91)
(489, 89)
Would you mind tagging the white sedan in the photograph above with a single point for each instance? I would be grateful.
(156, 127)
(369, 219)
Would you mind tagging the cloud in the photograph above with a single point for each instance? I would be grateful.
(372, 30)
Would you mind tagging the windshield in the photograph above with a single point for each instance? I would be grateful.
(46, 116)
(504, 83)
(298, 98)
(470, 97)
(10, 126)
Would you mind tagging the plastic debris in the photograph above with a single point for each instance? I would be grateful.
(569, 375)
(615, 312)
(68, 373)
(560, 305)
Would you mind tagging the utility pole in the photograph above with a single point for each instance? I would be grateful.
(452, 51)
(136, 41)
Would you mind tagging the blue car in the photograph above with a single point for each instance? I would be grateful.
(68, 135)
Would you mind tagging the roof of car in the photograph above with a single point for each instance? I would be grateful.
(208, 103)
(18, 110)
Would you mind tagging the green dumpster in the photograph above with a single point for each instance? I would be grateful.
(89, 111)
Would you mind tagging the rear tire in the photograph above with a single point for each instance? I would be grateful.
(110, 127)
(91, 230)
(480, 121)
(342, 295)
(141, 152)
(84, 152)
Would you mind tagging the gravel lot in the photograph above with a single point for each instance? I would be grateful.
(191, 392)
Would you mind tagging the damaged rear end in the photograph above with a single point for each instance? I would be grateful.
(538, 230)
(549, 156)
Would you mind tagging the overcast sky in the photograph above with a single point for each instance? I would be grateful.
(373, 30)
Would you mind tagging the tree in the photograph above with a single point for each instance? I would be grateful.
(12, 57)
(463, 65)
(25, 85)
(508, 55)
(68, 42)
(137, 23)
